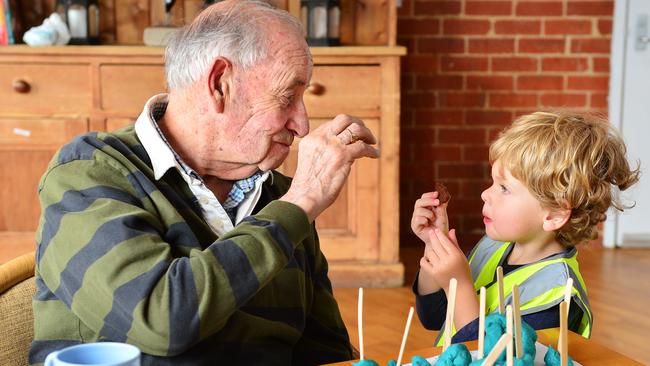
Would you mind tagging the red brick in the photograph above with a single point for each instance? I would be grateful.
(437, 7)
(582, 7)
(464, 64)
(491, 45)
(466, 171)
(493, 133)
(439, 117)
(518, 26)
(488, 7)
(465, 26)
(441, 45)
(476, 153)
(513, 100)
(474, 188)
(461, 135)
(439, 82)
(591, 45)
(406, 9)
(539, 8)
(418, 171)
(573, 26)
(420, 63)
(488, 117)
(599, 101)
(489, 82)
(410, 26)
(438, 153)
(462, 100)
(514, 64)
(565, 64)
(600, 83)
(540, 82)
(420, 100)
(605, 26)
(541, 45)
(563, 100)
(424, 135)
(601, 64)
(409, 43)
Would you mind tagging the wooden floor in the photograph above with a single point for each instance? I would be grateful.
(617, 281)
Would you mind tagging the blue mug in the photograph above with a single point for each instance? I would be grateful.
(98, 354)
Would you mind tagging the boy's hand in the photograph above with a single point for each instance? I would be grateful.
(429, 214)
(444, 260)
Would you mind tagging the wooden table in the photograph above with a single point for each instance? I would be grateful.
(586, 352)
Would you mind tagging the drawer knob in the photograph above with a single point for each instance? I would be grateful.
(21, 86)
(316, 89)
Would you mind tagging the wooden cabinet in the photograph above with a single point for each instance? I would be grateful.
(49, 95)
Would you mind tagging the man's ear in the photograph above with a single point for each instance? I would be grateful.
(218, 81)
(556, 218)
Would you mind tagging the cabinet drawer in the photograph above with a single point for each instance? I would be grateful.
(353, 90)
(126, 88)
(46, 88)
(38, 134)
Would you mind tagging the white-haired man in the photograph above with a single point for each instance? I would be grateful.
(176, 235)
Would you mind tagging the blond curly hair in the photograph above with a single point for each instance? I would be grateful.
(568, 161)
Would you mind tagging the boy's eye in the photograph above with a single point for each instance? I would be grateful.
(503, 188)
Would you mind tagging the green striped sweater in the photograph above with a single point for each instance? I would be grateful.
(123, 257)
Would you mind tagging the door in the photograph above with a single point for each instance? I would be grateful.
(630, 111)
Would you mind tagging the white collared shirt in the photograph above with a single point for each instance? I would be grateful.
(164, 158)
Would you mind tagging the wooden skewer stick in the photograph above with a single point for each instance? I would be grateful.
(502, 306)
(406, 332)
(568, 290)
(498, 348)
(360, 321)
(451, 305)
(509, 348)
(517, 318)
(481, 324)
(563, 347)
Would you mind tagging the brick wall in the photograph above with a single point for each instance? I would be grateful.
(472, 67)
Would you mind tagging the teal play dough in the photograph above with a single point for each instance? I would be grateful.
(419, 361)
(455, 355)
(391, 363)
(552, 358)
(495, 327)
(365, 362)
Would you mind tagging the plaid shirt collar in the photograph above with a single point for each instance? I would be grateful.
(157, 146)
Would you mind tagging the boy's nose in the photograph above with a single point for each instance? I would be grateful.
(484, 195)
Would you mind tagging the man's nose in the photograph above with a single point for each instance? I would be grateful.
(298, 122)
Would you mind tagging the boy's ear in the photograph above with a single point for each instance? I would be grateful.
(556, 218)
(218, 80)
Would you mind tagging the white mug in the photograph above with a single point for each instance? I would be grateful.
(100, 353)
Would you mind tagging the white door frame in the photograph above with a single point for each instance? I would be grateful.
(616, 95)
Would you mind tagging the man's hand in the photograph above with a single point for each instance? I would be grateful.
(325, 157)
(429, 214)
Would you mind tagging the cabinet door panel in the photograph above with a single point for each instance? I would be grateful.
(24, 160)
(126, 88)
(349, 228)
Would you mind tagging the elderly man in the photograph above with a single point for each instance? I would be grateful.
(176, 235)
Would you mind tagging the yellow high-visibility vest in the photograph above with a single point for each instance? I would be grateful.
(541, 284)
